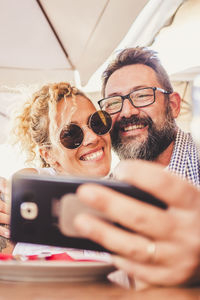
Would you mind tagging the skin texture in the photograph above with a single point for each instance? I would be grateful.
(176, 236)
(67, 161)
(130, 78)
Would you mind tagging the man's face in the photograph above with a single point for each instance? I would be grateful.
(140, 132)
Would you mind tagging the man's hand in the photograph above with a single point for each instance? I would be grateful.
(164, 247)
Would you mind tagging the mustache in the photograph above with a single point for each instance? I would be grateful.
(134, 120)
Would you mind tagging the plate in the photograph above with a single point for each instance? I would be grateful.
(54, 271)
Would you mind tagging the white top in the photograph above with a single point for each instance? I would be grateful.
(46, 171)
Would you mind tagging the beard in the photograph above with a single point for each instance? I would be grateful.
(157, 141)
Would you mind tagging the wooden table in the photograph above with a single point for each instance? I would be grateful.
(89, 291)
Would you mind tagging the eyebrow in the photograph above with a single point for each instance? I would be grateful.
(131, 90)
(67, 124)
(75, 122)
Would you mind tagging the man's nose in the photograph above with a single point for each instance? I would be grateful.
(89, 136)
(128, 109)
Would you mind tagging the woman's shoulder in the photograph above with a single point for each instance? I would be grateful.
(27, 170)
(43, 171)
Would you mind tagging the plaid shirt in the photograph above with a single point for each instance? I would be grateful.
(185, 158)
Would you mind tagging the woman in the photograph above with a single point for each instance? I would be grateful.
(60, 130)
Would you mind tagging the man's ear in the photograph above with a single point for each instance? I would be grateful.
(175, 104)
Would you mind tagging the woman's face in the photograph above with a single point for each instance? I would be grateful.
(93, 157)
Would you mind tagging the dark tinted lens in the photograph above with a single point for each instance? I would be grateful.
(100, 122)
(72, 136)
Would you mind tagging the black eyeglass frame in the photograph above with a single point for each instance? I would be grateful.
(131, 101)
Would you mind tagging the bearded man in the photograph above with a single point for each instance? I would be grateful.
(140, 98)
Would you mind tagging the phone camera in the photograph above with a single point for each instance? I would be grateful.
(29, 210)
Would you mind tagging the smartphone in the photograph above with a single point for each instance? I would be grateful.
(35, 208)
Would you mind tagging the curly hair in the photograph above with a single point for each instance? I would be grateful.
(137, 55)
(31, 126)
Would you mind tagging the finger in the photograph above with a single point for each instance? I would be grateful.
(150, 274)
(134, 269)
(3, 184)
(4, 218)
(119, 241)
(130, 213)
(5, 232)
(4, 188)
(108, 235)
(3, 206)
(162, 184)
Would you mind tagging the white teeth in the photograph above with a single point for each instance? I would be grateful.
(93, 156)
(133, 127)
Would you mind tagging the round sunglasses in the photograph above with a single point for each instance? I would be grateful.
(71, 137)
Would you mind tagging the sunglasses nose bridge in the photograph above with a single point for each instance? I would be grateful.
(89, 135)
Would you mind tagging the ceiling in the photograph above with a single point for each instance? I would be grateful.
(178, 43)
(48, 40)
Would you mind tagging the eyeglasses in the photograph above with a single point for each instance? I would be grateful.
(71, 137)
(138, 98)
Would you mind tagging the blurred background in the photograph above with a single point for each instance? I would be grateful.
(73, 40)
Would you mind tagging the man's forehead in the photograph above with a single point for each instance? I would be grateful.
(124, 91)
(129, 78)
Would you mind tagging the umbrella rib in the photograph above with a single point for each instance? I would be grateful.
(56, 35)
(4, 115)
(32, 69)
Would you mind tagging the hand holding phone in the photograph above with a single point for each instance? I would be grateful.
(36, 206)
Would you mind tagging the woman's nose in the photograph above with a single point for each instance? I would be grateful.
(89, 136)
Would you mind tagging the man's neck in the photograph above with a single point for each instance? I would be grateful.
(165, 156)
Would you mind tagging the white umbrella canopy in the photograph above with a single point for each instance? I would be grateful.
(178, 46)
(47, 40)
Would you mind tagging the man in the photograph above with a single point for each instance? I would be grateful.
(139, 96)
(164, 245)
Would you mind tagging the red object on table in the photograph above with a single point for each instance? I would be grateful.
(4, 256)
(60, 256)
(32, 257)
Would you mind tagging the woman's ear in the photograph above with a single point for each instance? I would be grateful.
(175, 104)
(47, 155)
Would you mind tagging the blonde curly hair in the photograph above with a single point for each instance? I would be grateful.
(31, 125)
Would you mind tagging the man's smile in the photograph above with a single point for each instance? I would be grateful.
(133, 127)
